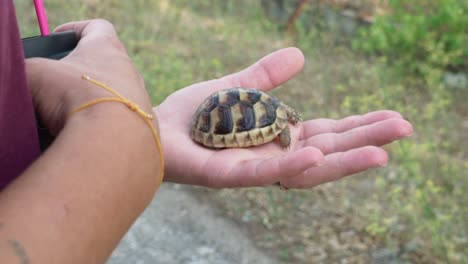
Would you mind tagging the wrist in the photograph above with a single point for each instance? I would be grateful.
(112, 129)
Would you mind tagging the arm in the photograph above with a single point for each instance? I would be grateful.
(75, 203)
(77, 200)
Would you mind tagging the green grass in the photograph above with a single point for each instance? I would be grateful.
(416, 204)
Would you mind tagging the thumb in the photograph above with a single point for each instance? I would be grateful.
(48, 103)
(93, 33)
(34, 74)
(88, 28)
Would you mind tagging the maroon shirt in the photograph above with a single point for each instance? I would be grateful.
(18, 133)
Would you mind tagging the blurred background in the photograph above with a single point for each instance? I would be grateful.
(361, 55)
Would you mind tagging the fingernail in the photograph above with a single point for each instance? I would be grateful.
(407, 130)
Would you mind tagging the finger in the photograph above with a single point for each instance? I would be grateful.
(270, 71)
(78, 27)
(376, 134)
(319, 126)
(86, 28)
(93, 33)
(338, 165)
(263, 172)
(49, 104)
(267, 73)
(34, 68)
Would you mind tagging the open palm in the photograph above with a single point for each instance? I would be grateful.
(321, 150)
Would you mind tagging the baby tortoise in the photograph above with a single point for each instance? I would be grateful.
(241, 117)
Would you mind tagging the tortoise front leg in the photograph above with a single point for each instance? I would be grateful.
(285, 138)
(293, 116)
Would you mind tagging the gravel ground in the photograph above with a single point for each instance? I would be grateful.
(177, 228)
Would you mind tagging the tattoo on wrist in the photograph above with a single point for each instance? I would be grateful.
(19, 251)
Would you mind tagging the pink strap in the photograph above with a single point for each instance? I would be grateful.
(42, 17)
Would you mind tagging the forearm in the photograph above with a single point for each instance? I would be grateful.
(75, 203)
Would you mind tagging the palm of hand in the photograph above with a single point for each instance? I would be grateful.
(339, 147)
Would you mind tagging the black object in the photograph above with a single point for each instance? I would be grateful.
(54, 46)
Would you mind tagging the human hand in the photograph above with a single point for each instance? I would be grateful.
(321, 150)
(57, 87)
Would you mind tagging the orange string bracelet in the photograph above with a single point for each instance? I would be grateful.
(132, 106)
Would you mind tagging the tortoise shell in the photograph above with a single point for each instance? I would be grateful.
(241, 117)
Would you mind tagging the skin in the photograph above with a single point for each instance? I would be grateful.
(82, 195)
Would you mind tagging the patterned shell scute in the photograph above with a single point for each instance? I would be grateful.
(248, 121)
(238, 117)
(224, 125)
